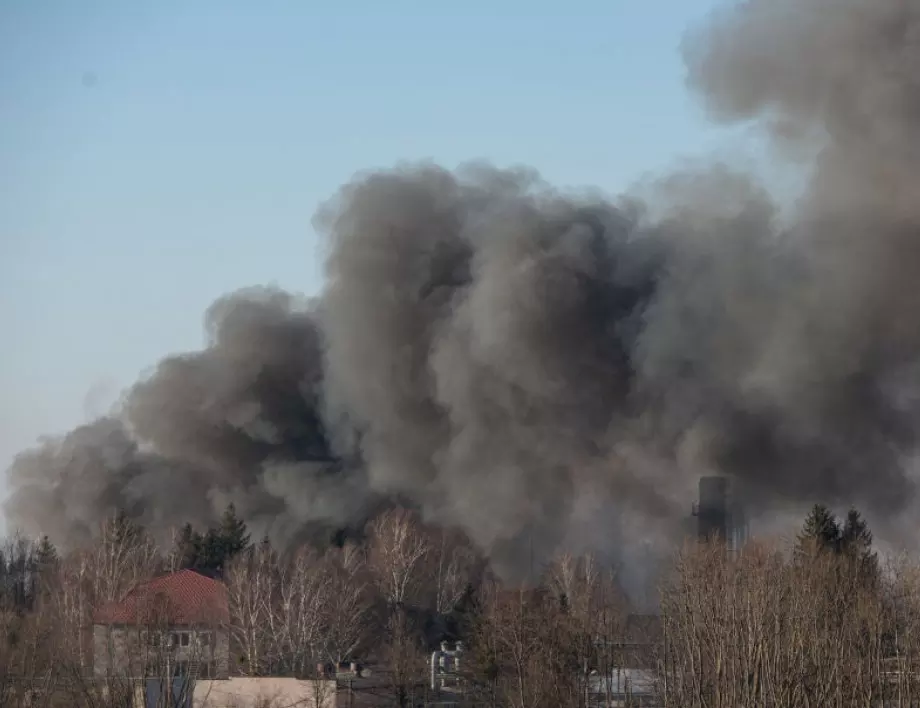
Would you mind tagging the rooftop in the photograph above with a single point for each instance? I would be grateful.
(179, 599)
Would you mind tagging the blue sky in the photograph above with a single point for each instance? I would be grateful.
(156, 154)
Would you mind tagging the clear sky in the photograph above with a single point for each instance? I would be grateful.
(156, 154)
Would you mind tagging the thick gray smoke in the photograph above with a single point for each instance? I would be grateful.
(543, 369)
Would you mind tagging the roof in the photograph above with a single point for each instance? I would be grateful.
(181, 598)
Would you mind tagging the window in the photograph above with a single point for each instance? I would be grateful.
(183, 639)
(205, 640)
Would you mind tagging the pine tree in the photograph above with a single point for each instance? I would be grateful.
(209, 553)
(821, 532)
(45, 561)
(187, 551)
(234, 535)
(851, 540)
(855, 534)
(210, 557)
(46, 555)
(856, 544)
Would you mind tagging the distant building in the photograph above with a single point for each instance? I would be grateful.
(720, 513)
(172, 626)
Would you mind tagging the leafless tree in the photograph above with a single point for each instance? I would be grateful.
(403, 655)
(251, 588)
(349, 608)
(123, 556)
(453, 566)
(398, 547)
(763, 629)
(591, 616)
(513, 628)
(298, 617)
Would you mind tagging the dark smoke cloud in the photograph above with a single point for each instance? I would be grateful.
(545, 369)
(834, 389)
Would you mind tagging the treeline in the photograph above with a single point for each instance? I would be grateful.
(386, 601)
(822, 623)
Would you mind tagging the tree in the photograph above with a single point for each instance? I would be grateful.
(210, 553)
(233, 534)
(46, 555)
(123, 556)
(454, 563)
(855, 534)
(251, 584)
(187, 548)
(123, 530)
(299, 612)
(398, 546)
(210, 557)
(404, 656)
(820, 532)
(349, 610)
(856, 545)
(851, 540)
(45, 561)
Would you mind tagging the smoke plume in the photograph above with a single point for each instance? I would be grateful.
(544, 369)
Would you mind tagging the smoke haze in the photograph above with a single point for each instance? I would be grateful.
(543, 369)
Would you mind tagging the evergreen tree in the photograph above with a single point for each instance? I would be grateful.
(856, 544)
(233, 533)
(851, 540)
(211, 556)
(855, 535)
(46, 555)
(188, 548)
(209, 552)
(821, 532)
(44, 562)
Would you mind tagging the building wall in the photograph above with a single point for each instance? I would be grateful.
(122, 651)
(244, 692)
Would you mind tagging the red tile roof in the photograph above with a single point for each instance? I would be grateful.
(179, 599)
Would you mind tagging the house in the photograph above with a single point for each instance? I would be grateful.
(172, 626)
(169, 639)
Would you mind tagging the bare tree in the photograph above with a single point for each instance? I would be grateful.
(515, 632)
(349, 607)
(123, 556)
(592, 613)
(298, 619)
(398, 547)
(250, 592)
(760, 629)
(403, 655)
(454, 563)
